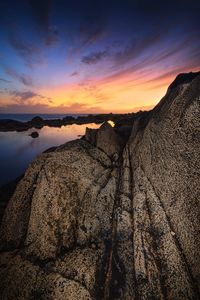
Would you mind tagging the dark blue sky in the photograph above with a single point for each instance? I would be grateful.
(93, 56)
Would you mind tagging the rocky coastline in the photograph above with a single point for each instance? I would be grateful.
(38, 122)
(113, 215)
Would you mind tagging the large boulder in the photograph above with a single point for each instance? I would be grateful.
(91, 136)
(104, 138)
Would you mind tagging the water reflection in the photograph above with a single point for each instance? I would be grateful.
(111, 123)
(18, 149)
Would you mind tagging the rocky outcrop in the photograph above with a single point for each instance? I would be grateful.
(34, 134)
(38, 122)
(84, 223)
(183, 78)
(105, 138)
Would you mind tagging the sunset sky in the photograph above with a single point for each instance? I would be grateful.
(93, 56)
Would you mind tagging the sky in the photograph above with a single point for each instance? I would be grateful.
(94, 56)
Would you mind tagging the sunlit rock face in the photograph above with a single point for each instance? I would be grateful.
(95, 219)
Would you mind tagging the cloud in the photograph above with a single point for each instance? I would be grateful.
(180, 57)
(78, 108)
(21, 47)
(24, 108)
(26, 50)
(168, 76)
(5, 80)
(92, 91)
(45, 108)
(91, 29)
(94, 57)
(137, 45)
(22, 97)
(41, 10)
(74, 74)
(24, 79)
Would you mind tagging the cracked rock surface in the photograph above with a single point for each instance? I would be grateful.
(98, 218)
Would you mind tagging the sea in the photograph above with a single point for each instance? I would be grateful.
(18, 149)
(28, 117)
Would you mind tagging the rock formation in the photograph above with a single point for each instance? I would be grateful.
(105, 138)
(98, 218)
(34, 134)
(37, 122)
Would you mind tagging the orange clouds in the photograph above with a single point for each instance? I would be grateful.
(121, 94)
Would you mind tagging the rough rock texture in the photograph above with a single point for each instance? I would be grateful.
(85, 225)
(105, 138)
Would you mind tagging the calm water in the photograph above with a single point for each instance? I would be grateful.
(18, 149)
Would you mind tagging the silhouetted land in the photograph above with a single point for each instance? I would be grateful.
(38, 122)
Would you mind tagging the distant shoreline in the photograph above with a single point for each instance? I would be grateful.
(25, 117)
(38, 122)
